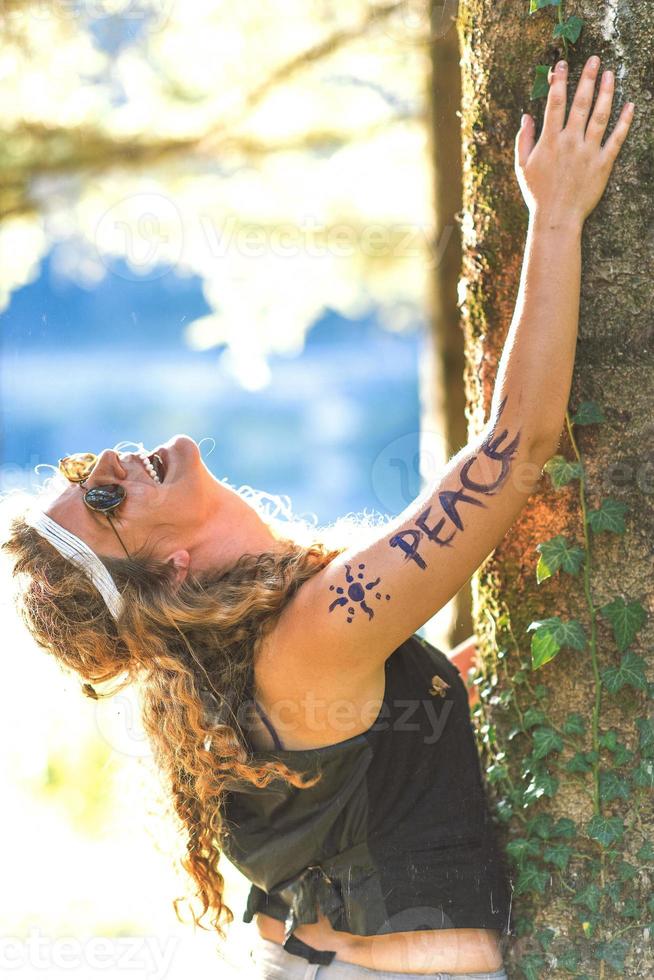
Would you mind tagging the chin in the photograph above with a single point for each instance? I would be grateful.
(183, 446)
(181, 457)
(181, 441)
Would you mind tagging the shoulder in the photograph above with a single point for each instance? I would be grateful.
(309, 709)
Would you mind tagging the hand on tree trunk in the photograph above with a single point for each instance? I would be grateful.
(564, 174)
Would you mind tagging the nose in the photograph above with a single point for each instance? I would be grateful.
(107, 468)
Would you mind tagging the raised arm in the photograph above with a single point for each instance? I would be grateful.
(345, 621)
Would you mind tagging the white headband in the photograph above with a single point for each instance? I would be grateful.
(70, 546)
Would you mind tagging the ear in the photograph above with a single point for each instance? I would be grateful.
(181, 561)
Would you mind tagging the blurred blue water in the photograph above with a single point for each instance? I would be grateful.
(82, 369)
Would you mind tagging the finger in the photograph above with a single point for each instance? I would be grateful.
(556, 100)
(525, 140)
(602, 111)
(615, 141)
(583, 100)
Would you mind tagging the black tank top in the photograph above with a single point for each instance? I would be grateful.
(397, 834)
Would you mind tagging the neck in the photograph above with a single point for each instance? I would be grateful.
(233, 528)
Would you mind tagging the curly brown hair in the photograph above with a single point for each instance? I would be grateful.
(190, 648)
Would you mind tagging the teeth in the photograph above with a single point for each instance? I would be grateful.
(149, 467)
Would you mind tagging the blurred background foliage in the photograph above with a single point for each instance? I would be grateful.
(277, 152)
(217, 218)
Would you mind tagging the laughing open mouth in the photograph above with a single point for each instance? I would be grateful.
(154, 466)
(158, 464)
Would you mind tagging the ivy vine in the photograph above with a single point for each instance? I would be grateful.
(611, 896)
(603, 862)
(567, 31)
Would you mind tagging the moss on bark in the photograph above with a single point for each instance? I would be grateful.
(501, 43)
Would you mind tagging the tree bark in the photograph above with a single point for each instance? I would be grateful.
(444, 398)
(582, 906)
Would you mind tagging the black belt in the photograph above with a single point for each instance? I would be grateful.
(298, 948)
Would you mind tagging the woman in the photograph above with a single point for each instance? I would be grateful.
(351, 795)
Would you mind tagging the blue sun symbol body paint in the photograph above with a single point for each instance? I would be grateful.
(355, 592)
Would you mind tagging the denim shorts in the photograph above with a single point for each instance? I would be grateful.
(272, 962)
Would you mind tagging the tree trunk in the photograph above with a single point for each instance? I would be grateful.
(443, 416)
(569, 744)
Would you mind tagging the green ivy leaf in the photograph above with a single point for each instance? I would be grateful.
(631, 672)
(613, 786)
(545, 937)
(631, 909)
(626, 619)
(541, 87)
(541, 824)
(614, 892)
(605, 830)
(546, 740)
(643, 774)
(568, 960)
(609, 740)
(544, 783)
(495, 774)
(550, 635)
(622, 755)
(609, 516)
(523, 925)
(504, 811)
(557, 554)
(533, 716)
(613, 953)
(532, 964)
(588, 412)
(626, 871)
(645, 737)
(539, 4)
(565, 827)
(532, 879)
(571, 30)
(557, 854)
(522, 848)
(588, 897)
(541, 691)
(574, 724)
(543, 647)
(578, 763)
(646, 851)
(561, 471)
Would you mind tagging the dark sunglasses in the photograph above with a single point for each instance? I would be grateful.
(77, 468)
